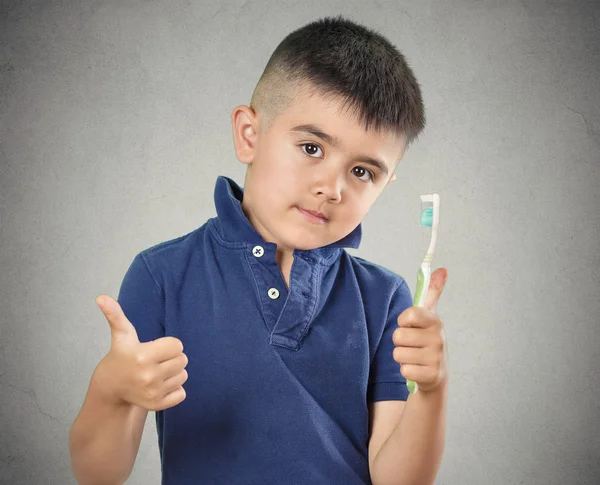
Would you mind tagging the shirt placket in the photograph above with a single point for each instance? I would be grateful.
(270, 286)
(287, 312)
(299, 308)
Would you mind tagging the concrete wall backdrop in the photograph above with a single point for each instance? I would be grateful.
(115, 123)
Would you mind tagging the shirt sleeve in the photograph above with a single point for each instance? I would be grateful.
(386, 383)
(142, 300)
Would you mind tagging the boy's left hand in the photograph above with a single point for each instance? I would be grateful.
(420, 339)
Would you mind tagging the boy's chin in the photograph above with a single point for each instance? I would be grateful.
(307, 244)
(300, 238)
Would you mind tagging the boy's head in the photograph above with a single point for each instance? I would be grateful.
(329, 120)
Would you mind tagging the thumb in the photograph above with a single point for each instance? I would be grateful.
(121, 328)
(436, 286)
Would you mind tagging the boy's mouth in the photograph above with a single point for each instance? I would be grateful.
(313, 216)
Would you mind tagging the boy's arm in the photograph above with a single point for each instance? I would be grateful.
(105, 437)
(408, 438)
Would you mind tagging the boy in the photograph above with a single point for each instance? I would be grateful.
(292, 346)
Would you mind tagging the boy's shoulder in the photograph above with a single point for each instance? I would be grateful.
(374, 273)
(173, 254)
(175, 245)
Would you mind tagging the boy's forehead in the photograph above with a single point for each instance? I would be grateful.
(333, 119)
(336, 128)
(329, 112)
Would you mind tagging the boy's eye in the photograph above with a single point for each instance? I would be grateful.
(310, 148)
(360, 172)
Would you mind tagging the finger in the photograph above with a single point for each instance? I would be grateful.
(120, 326)
(175, 382)
(417, 317)
(173, 398)
(415, 372)
(437, 283)
(172, 367)
(409, 337)
(408, 355)
(163, 349)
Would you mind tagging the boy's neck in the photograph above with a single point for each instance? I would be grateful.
(284, 260)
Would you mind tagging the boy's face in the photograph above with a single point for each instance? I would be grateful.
(314, 157)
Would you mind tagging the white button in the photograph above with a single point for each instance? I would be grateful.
(258, 251)
(273, 293)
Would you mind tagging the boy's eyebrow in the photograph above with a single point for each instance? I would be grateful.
(333, 141)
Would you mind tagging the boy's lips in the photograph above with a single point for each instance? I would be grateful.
(315, 216)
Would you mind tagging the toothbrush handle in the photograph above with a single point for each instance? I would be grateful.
(423, 276)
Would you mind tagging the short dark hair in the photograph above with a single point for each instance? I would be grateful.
(343, 59)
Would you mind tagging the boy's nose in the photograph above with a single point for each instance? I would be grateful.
(329, 184)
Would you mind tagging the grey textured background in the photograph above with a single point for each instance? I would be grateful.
(115, 123)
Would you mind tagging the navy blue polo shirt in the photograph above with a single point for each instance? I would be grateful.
(279, 379)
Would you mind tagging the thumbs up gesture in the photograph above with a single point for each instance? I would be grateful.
(150, 374)
(420, 340)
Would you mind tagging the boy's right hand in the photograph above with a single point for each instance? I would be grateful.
(150, 374)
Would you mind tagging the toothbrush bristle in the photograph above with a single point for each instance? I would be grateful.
(427, 217)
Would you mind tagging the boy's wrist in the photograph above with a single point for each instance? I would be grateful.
(102, 391)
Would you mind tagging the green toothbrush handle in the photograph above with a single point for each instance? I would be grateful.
(412, 385)
(420, 286)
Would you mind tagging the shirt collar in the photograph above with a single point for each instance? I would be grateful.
(234, 226)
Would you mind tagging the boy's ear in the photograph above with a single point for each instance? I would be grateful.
(244, 123)
(392, 178)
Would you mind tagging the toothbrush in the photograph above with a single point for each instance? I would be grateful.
(430, 217)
